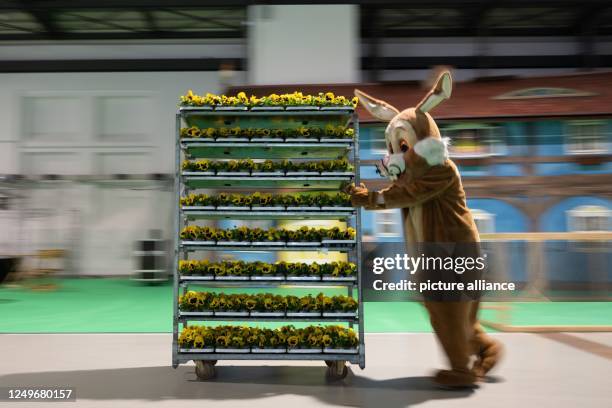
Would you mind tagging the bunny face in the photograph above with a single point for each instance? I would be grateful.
(400, 135)
(408, 127)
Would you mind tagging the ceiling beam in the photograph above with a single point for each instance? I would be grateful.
(121, 65)
(43, 16)
(199, 4)
(151, 22)
(131, 35)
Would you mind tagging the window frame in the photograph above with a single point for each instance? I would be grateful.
(487, 217)
(495, 145)
(582, 214)
(570, 135)
(395, 221)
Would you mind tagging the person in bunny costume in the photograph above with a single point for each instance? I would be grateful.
(426, 186)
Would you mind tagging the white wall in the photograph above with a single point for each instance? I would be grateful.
(92, 124)
(303, 44)
(86, 118)
(122, 49)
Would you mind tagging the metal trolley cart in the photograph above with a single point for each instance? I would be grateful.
(320, 148)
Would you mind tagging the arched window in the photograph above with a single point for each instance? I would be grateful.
(589, 218)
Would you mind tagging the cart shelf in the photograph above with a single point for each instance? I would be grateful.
(250, 248)
(266, 117)
(187, 281)
(266, 110)
(266, 215)
(183, 357)
(244, 182)
(196, 148)
(321, 319)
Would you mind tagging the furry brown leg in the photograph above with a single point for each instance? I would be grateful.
(453, 326)
(488, 351)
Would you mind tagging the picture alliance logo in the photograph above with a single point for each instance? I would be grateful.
(423, 263)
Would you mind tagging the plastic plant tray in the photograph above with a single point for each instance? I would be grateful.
(264, 350)
(268, 278)
(337, 108)
(337, 209)
(267, 314)
(301, 140)
(267, 173)
(304, 278)
(232, 350)
(231, 108)
(303, 314)
(268, 139)
(303, 244)
(340, 314)
(337, 241)
(327, 350)
(199, 243)
(334, 140)
(233, 173)
(233, 243)
(198, 351)
(197, 314)
(198, 208)
(197, 277)
(198, 173)
(303, 208)
(267, 108)
(339, 278)
(303, 173)
(232, 139)
(232, 278)
(263, 208)
(203, 108)
(304, 350)
(232, 208)
(302, 108)
(271, 243)
(233, 313)
(336, 173)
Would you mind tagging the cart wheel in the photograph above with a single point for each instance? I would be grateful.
(337, 370)
(205, 370)
(329, 363)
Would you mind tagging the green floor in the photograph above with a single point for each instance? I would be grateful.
(119, 305)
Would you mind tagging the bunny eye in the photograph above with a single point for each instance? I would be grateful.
(404, 146)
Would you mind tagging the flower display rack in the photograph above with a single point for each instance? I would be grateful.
(189, 182)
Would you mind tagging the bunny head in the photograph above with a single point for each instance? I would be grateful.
(410, 126)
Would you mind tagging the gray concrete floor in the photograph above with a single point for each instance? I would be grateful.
(133, 370)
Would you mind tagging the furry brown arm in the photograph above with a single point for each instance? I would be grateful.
(409, 190)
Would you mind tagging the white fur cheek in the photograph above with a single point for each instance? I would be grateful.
(433, 150)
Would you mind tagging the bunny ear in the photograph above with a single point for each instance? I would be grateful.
(379, 109)
(440, 92)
